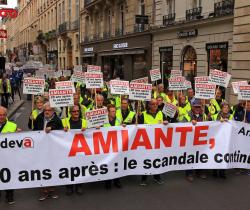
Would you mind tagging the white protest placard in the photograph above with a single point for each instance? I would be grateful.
(140, 80)
(244, 92)
(236, 85)
(201, 80)
(58, 74)
(176, 73)
(205, 91)
(64, 85)
(93, 80)
(220, 78)
(61, 98)
(188, 84)
(16, 69)
(77, 67)
(155, 74)
(177, 83)
(119, 87)
(78, 76)
(97, 117)
(33, 86)
(169, 110)
(92, 68)
(140, 91)
(67, 73)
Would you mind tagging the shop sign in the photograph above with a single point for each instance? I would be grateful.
(218, 45)
(166, 49)
(88, 49)
(186, 34)
(120, 45)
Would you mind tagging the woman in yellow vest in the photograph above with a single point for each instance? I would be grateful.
(184, 108)
(74, 122)
(5, 90)
(223, 116)
(39, 102)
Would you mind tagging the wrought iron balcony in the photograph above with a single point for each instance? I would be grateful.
(168, 19)
(194, 14)
(74, 25)
(139, 28)
(119, 32)
(88, 2)
(224, 8)
(106, 35)
(62, 28)
(96, 37)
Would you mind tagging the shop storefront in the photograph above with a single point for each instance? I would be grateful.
(194, 50)
(127, 58)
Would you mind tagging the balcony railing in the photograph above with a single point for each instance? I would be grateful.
(139, 28)
(168, 19)
(194, 14)
(96, 37)
(119, 32)
(106, 35)
(88, 2)
(224, 8)
(74, 25)
(62, 28)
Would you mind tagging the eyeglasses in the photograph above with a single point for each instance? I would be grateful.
(74, 111)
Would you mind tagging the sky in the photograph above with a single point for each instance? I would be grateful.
(11, 4)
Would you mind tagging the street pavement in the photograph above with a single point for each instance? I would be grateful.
(176, 194)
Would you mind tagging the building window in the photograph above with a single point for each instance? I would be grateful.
(166, 61)
(217, 56)
(142, 7)
(77, 61)
(77, 42)
(139, 67)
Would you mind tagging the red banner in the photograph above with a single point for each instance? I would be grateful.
(11, 13)
(3, 34)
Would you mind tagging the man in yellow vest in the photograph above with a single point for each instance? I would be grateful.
(127, 116)
(217, 101)
(74, 122)
(152, 116)
(113, 121)
(170, 98)
(5, 90)
(7, 127)
(39, 101)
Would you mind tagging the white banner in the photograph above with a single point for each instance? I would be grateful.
(140, 80)
(188, 84)
(244, 92)
(140, 91)
(169, 110)
(58, 74)
(37, 159)
(92, 68)
(119, 87)
(65, 85)
(78, 76)
(93, 80)
(61, 98)
(97, 117)
(205, 91)
(155, 75)
(236, 85)
(33, 86)
(67, 73)
(177, 83)
(220, 78)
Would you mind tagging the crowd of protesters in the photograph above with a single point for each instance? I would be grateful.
(121, 112)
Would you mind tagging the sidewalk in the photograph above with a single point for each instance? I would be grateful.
(13, 107)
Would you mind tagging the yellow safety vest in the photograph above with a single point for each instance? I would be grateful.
(128, 119)
(66, 123)
(168, 100)
(35, 113)
(183, 111)
(215, 116)
(117, 102)
(8, 89)
(215, 103)
(149, 119)
(188, 118)
(9, 127)
(118, 122)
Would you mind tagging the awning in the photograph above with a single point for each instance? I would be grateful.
(122, 52)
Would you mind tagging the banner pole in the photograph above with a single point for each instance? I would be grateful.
(245, 115)
(32, 108)
(137, 112)
(95, 99)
